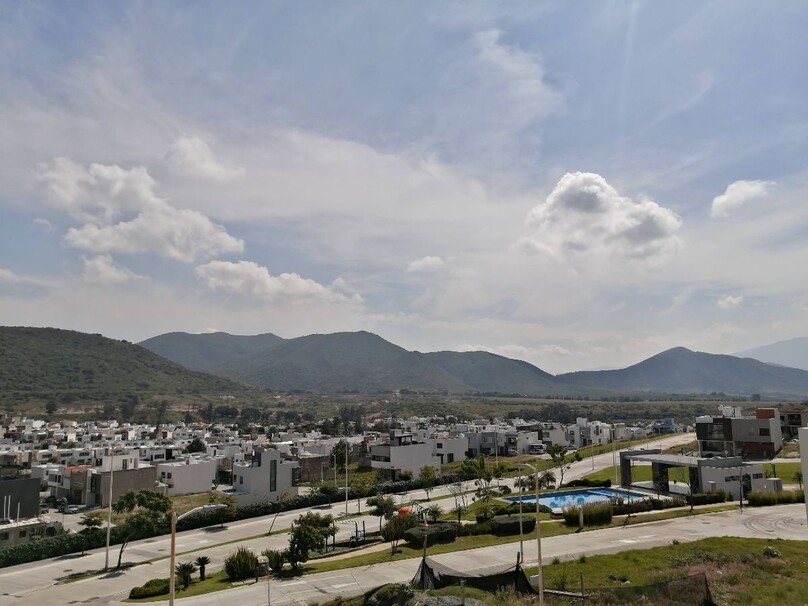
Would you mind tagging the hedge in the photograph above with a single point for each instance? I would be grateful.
(595, 514)
(761, 499)
(584, 483)
(708, 498)
(438, 532)
(150, 589)
(509, 525)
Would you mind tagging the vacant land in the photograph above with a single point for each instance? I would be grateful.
(739, 571)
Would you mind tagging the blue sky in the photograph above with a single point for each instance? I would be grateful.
(580, 185)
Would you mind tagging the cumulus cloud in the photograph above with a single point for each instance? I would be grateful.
(192, 157)
(99, 195)
(584, 214)
(184, 235)
(103, 269)
(249, 279)
(426, 264)
(729, 302)
(738, 194)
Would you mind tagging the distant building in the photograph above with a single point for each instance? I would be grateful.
(403, 453)
(740, 436)
(265, 478)
(189, 476)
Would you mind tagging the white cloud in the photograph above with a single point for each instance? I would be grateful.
(97, 194)
(737, 194)
(100, 194)
(192, 157)
(729, 302)
(43, 224)
(518, 73)
(184, 235)
(103, 269)
(584, 214)
(426, 264)
(9, 277)
(249, 279)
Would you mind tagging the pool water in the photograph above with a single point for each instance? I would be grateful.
(560, 500)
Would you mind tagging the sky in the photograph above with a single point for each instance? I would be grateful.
(579, 185)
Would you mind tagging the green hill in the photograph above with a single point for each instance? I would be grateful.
(489, 373)
(210, 352)
(39, 365)
(351, 361)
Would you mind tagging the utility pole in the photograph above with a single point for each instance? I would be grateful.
(346, 475)
(109, 511)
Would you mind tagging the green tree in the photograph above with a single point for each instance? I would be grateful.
(797, 477)
(51, 408)
(384, 507)
(338, 454)
(275, 559)
(197, 445)
(310, 532)
(184, 572)
(395, 528)
(144, 508)
(328, 490)
(434, 511)
(90, 523)
(202, 562)
(559, 459)
(429, 478)
(483, 476)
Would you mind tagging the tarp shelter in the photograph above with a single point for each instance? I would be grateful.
(432, 575)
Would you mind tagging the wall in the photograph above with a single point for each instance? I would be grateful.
(23, 492)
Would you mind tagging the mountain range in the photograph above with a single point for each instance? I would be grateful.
(793, 353)
(41, 364)
(364, 362)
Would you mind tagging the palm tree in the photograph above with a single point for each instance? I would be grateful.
(184, 572)
(202, 562)
(434, 511)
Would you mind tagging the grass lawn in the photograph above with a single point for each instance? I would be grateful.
(639, 473)
(736, 569)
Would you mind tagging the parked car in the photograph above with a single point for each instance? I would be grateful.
(72, 509)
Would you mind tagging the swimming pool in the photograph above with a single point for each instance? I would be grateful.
(560, 500)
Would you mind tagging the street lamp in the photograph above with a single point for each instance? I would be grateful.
(538, 532)
(174, 520)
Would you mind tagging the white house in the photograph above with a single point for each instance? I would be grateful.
(265, 478)
(189, 476)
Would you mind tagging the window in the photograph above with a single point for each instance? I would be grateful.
(273, 476)
(765, 431)
(23, 534)
(757, 476)
(450, 457)
(3, 536)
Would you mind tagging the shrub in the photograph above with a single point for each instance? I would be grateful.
(627, 508)
(701, 498)
(509, 525)
(761, 499)
(150, 589)
(395, 594)
(240, 564)
(435, 533)
(594, 514)
(274, 558)
(473, 530)
(771, 552)
(584, 483)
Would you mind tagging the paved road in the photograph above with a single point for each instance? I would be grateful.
(37, 580)
(787, 521)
